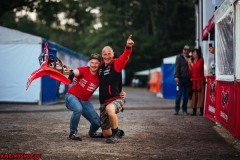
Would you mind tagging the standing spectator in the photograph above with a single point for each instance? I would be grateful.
(110, 88)
(196, 67)
(182, 78)
(211, 50)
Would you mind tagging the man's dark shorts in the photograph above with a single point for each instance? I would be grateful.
(118, 103)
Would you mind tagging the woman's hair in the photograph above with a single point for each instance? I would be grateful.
(198, 52)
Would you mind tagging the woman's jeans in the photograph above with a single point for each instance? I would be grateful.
(84, 108)
(184, 88)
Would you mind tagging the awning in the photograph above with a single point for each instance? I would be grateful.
(209, 29)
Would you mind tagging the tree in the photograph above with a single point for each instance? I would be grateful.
(160, 28)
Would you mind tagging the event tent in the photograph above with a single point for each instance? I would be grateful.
(19, 58)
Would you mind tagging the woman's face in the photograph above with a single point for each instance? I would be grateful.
(195, 55)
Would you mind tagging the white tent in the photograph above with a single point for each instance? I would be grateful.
(147, 71)
(157, 69)
(19, 58)
(19, 52)
(142, 73)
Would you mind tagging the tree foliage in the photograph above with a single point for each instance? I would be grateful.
(160, 28)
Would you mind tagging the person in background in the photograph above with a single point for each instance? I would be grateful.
(211, 49)
(182, 78)
(109, 90)
(196, 68)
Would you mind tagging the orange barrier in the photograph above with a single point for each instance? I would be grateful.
(155, 81)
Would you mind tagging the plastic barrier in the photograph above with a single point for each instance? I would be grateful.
(225, 104)
(210, 98)
(155, 82)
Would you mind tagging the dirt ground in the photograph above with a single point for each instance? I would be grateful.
(151, 132)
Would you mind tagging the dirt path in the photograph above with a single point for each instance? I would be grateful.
(152, 132)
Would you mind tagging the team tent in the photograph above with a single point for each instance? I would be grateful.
(19, 58)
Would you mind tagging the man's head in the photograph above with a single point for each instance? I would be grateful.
(186, 50)
(94, 62)
(107, 54)
(95, 56)
(211, 48)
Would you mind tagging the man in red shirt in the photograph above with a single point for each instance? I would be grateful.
(79, 94)
(110, 88)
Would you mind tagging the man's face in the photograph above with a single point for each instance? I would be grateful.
(107, 55)
(186, 51)
(211, 50)
(94, 65)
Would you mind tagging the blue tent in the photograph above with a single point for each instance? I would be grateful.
(168, 83)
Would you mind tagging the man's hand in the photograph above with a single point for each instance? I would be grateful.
(123, 94)
(71, 75)
(130, 41)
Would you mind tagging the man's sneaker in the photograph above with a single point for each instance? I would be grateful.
(96, 135)
(121, 134)
(114, 137)
(74, 136)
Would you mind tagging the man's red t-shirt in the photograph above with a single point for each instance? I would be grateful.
(85, 84)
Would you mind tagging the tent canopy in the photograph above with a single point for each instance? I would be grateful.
(11, 36)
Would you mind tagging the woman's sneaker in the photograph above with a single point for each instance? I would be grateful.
(74, 136)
